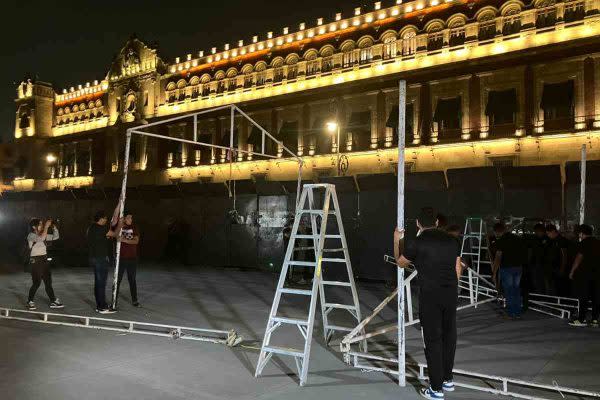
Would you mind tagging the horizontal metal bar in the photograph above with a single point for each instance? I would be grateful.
(499, 379)
(79, 317)
(164, 121)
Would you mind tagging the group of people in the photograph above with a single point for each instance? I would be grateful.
(547, 263)
(101, 240)
(544, 260)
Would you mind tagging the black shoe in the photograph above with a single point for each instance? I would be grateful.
(136, 304)
(57, 304)
(106, 310)
(31, 305)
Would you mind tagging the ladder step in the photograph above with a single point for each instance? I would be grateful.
(317, 212)
(303, 263)
(296, 291)
(339, 328)
(286, 351)
(335, 260)
(336, 283)
(470, 254)
(340, 306)
(291, 321)
(312, 237)
(334, 250)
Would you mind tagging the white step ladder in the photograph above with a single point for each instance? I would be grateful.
(323, 242)
(475, 249)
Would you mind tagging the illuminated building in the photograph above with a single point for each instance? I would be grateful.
(490, 83)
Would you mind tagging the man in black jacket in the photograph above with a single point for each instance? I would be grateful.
(436, 256)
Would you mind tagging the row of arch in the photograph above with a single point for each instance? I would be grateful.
(486, 13)
(79, 107)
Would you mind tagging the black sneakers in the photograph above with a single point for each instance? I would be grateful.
(31, 306)
(56, 304)
(106, 310)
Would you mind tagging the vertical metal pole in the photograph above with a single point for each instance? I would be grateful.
(582, 192)
(400, 225)
(339, 147)
(121, 205)
(195, 127)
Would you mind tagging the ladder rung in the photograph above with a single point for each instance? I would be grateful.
(286, 351)
(317, 212)
(291, 321)
(336, 283)
(303, 248)
(334, 250)
(296, 291)
(470, 254)
(339, 328)
(303, 263)
(341, 306)
(469, 235)
(335, 260)
(312, 237)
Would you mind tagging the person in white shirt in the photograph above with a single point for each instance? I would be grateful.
(38, 259)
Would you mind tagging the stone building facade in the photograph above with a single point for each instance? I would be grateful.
(490, 83)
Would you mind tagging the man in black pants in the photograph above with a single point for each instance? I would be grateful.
(586, 275)
(129, 238)
(436, 256)
(98, 235)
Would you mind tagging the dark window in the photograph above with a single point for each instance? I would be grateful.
(487, 30)
(359, 130)
(392, 121)
(574, 11)
(195, 92)
(457, 37)
(292, 72)
(502, 107)
(319, 137)
(248, 81)
(511, 25)
(435, 41)
(278, 75)
(221, 86)
(255, 139)
(327, 64)
(205, 89)
(83, 162)
(558, 105)
(448, 114)
(177, 150)
(288, 133)
(545, 18)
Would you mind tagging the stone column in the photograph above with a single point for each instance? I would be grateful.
(530, 104)
(589, 88)
(425, 113)
(475, 107)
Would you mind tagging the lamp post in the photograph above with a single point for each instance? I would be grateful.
(333, 127)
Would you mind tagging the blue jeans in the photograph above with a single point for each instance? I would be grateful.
(101, 267)
(510, 277)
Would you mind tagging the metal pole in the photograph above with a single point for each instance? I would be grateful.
(582, 192)
(339, 147)
(400, 225)
(195, 127)
(121, 205)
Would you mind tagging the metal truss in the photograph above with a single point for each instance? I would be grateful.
(229, 338)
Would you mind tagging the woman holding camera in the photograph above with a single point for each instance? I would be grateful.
(38, 260)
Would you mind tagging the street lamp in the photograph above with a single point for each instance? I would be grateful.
(50, 158)
(333, 127)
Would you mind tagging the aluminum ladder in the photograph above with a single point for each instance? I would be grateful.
(324, 242)
(475, 248)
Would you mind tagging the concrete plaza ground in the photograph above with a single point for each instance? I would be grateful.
(40, 361)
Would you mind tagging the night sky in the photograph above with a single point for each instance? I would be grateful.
(72, 42)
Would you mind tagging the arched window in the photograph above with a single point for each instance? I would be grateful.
(366, 50)
(409, 41)
(435, 36)
(390, 47)
(486, 18)
(348, 58)
(456, 23)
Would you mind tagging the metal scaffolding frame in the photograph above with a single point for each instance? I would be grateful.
(233, 109)
(229, 338)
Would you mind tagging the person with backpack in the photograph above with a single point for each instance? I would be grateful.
(38, 260)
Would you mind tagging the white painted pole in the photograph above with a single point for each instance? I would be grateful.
(400, 225)
(582, 191)
(121, 205)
